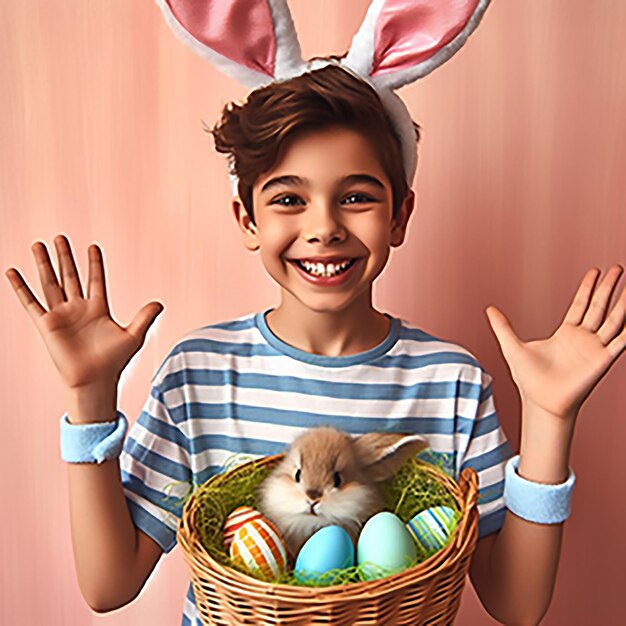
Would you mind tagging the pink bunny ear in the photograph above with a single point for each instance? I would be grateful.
(403, 40)
(252, 41)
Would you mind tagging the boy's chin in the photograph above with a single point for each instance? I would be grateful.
(331, 304)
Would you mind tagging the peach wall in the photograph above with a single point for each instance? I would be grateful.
(521, 186)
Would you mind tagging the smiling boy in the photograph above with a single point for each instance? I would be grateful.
(323, 192)
(320, 180)
(338, 211)
(320, 177)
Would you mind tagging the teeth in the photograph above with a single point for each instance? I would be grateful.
(319, 269)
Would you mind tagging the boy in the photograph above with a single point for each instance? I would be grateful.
(324, 355)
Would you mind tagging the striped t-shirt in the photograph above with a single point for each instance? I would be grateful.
(236, 388)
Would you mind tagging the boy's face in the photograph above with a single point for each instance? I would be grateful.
(324, 215)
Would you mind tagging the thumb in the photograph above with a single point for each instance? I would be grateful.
(508, 340)
(144, 319)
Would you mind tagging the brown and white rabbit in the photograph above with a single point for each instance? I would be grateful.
(330, 477)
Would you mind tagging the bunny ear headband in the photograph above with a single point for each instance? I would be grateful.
(399, 41)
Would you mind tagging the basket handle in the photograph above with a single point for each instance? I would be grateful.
(468, 483)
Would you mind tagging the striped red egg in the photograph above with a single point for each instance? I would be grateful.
(258, 545)
(236, 520)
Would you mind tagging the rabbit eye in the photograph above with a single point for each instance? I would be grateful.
(298, 473)
(337, 479)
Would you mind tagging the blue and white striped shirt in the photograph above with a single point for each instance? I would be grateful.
(236, 388)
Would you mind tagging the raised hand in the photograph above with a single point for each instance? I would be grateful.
(557, 374)
(85, 343)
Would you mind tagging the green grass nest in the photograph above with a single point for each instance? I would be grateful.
(410, 491)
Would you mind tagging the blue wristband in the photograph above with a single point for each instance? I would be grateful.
(536, 502)
(92, 443)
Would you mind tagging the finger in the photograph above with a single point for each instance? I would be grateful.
(51, 288)
(96, 287)
(614, 323)
(70, 280)
(510, 343)
(617, 345)
(579, 305)
(596, 312)
(143, 320)
(25, 295)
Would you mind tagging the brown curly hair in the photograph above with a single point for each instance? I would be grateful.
(252, 134)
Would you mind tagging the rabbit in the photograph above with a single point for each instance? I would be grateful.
(330, 477)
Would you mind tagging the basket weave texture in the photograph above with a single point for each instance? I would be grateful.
(429, 593)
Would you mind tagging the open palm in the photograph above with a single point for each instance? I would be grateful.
(85, 343)
(557, 374)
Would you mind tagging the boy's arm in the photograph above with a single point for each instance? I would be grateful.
(113, 558)
(514, 570)
(554, 377)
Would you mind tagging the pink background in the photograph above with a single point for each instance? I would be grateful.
(521, 186)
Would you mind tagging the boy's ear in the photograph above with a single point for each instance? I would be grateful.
(248, 229)
(399, 224)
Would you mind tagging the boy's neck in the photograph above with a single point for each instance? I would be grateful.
(350, 331)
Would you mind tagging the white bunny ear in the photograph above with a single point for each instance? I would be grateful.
(403, 40)
(252, 41)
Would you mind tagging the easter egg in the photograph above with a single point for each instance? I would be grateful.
(432, 527)
(327, 549)
(385, 546)
(236, 520)
(259, 546)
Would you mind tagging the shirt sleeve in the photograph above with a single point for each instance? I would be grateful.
(156, 471)
(487, 452)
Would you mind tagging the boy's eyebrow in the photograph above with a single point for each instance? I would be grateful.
(292, 179)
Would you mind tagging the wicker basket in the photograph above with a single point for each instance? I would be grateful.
(429, 593)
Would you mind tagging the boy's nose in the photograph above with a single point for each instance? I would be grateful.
(323, 224)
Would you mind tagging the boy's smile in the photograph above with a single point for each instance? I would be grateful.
(329, 271)
(324, 226)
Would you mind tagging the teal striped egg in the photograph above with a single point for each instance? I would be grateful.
(432, 527)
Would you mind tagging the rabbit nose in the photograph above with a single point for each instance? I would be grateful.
(313, 494)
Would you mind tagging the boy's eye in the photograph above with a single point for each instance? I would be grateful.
(279, 200)
(361, 196)
(364, 197)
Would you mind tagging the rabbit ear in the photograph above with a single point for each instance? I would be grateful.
(403, 40)
(252, 41)
(382, 454)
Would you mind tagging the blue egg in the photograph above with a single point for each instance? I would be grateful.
(329, 548)
(385, 546)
